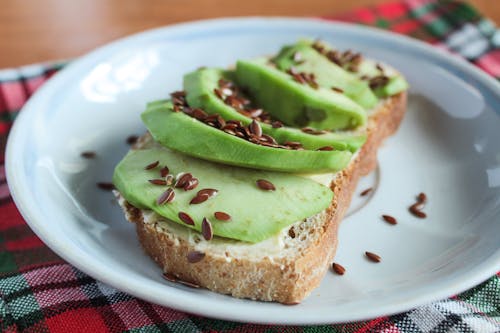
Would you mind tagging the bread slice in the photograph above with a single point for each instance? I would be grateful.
(285, 268)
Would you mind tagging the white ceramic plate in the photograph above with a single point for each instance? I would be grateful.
(447, 147)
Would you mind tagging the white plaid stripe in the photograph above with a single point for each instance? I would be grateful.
(469, 41)
(426, 317)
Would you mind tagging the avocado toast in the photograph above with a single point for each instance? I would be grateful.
(245, 175)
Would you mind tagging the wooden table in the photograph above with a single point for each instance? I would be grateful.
(41, 30)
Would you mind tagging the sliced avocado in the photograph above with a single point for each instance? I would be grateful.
(366, 70)
(200, 85)
(255, 214)
(297, 104)
(183, 133)
(304, 58)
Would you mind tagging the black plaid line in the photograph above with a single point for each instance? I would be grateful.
(99, 300)
(404, 323)
(452, 321)
(150, 312)
(7, 321)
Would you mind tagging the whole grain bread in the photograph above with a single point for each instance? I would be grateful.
(285, 268)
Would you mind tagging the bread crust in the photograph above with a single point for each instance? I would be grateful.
(286, 279)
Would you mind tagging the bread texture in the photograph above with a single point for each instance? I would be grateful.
(285, 268)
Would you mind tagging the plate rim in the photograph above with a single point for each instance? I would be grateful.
(189, 305)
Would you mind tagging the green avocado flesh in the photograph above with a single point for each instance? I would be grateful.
(297, 104)
(255, 214)
(185, 134)
(327, 73)
(199, 86)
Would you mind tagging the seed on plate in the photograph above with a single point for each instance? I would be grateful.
(199, 198)
(132, 139)
(184, 217)
(416, 211)
(221, 216)
(106, 186)
(422, 197)
(389, 219)
(195, 256)
(152, 165)
(183, 179)
(373, 257)
(326, 148)
(265, 185)
(164, 171)
(337, 268)
(191, 184)
(255, 128)
(366, 192)
(206, 229)
(88, 154)
(210, 192)
(166, 197)
(158, 181)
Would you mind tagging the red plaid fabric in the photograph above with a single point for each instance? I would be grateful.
(39, 292)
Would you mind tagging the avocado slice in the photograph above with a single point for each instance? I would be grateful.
(183, 133)
(304, 58)
(200, 85)
(365, 69)
(255, 214)
(297, 104)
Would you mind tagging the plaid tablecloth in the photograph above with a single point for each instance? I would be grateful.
(39, 292)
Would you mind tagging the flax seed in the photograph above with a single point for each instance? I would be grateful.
(164, 171)
(265, 185)
(255, 128)
(158, 181)
(373, 257)
(184, 217)
(151, 165)
(210, 192)
(389, 219)
(191, 184)
(366, 192)
(337, 268)
(166, 197)
(277, 124)
(199, 198)
(195, 256)
(221, 216)
(132, 139)
(106, 186)
(88, 154)
(422, 197)
(206, 229)
(183, 180)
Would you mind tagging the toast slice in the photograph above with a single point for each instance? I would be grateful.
(284, 268)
